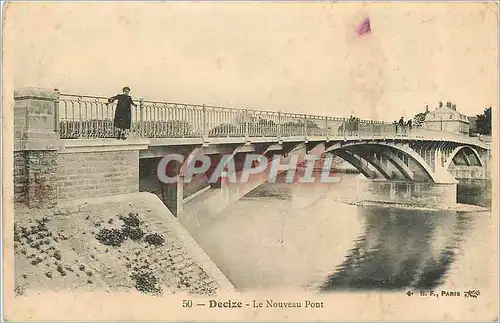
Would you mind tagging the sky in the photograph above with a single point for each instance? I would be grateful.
(289, 56)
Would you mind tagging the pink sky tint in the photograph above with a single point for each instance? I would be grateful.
(364, 27)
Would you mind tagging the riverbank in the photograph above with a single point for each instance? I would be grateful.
(122, 243)
(458, 207)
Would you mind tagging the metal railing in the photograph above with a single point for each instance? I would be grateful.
(88, 117)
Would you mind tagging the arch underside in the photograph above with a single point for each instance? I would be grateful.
(399, 162)
(383, 161)
(465, 156)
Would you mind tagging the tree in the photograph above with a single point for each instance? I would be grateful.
(419, 118)
(483, 122)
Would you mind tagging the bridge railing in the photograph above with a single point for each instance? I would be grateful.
(87, 117)
(84, 117)
(80, 117)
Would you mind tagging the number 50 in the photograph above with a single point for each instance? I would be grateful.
(188, 303)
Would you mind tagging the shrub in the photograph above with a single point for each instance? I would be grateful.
(111, 237)
(154, 239)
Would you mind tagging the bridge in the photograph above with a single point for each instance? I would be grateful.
(65, 148)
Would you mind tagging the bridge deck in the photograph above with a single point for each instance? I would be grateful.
(416, 135)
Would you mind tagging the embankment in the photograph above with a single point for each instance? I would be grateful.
(117, 243)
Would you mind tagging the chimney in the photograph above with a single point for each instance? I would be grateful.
(427, 108)
(440, 104)
(448, 104)
(454, 107)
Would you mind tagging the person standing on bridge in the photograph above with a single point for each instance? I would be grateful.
(402, 125)
(123, 113)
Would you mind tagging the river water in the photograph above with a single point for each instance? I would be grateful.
(300, 236)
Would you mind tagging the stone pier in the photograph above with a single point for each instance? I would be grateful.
(36, 145)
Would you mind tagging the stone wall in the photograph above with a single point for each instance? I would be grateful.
(468, 172)
(42, 175)
(97, 173)
(20, 177)
(35, 179)
(487, 162)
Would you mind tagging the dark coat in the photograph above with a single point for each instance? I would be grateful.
(123, 113)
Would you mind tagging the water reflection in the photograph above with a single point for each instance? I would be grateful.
(400, 249)
(290, 235)
(475, 192)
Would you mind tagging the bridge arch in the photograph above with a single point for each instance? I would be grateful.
(463, 149)
(405, 150)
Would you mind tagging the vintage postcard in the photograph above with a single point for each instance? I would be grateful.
(250, 161)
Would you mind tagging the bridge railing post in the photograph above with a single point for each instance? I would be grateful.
(327, 132)
(280, 126)
(141, 118)
(80, 117)
(204, 124)
(56, 111)
(305, 125)
(247, 121)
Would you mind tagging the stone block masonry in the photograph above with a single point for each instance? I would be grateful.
(35, 147)
(99, 173)
(48, 169)
(35, 177)
(20, 177)
(42, 174)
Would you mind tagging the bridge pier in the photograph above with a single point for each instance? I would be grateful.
(409, 192)
(172, 195)
(214, 161)
(36, 148)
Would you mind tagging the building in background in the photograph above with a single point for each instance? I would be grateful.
(447, 119)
